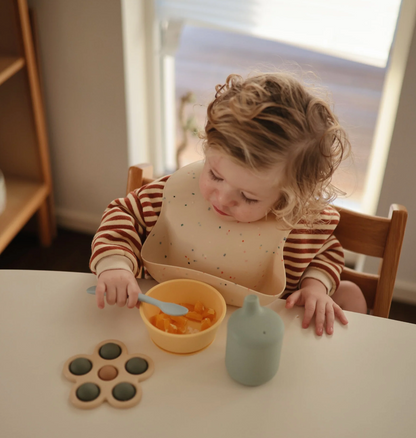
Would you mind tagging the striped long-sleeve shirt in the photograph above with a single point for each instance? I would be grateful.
(310, 251)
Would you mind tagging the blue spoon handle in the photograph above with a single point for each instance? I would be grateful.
(142, 297)
(145, 299)
(168, 308)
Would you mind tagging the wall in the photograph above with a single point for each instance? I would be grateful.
(81, 49)
(400, 177)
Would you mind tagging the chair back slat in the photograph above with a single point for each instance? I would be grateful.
(138, 176)
(378, 237)
(362, 234)
(390, 262)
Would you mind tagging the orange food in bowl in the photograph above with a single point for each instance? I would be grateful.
(195, 316)
(179, 324)
(184, 335)
(205, 323)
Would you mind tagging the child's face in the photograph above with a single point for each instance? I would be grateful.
(236, 193)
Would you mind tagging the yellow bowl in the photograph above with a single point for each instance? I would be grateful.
(184, 291)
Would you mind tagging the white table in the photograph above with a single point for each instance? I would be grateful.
(360, 382)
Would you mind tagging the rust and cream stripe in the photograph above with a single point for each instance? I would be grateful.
(128, 221)
(314, 247)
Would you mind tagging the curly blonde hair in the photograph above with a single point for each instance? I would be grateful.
(272, 118)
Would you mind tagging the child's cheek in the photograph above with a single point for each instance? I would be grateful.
(203, 187)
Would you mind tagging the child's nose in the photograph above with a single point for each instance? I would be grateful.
(227, 199)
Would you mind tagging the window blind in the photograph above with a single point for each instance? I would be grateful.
(359, 30)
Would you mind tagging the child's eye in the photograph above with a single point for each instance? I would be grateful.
(248, 200)
(213, 176)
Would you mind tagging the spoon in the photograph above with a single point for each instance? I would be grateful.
(168, 308)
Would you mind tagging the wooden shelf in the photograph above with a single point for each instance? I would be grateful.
(24, 152)
(23, 199)
(9, 65)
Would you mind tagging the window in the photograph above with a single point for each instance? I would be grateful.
(346, 44)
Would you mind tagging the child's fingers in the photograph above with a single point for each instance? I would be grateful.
(320, 317)
(111, 295)
(340, 315)
(121, 297)
(310, 307)
(292, 299)
(330, 318)
(133, 291)
(99, 295)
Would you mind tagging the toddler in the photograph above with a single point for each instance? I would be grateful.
(271, 149)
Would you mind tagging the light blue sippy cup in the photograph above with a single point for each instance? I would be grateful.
(254, 343)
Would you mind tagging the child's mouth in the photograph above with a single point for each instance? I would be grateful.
(219, 211)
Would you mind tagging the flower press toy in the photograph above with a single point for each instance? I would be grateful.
(109, 374)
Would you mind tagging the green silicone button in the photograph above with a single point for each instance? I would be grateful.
(88, 392)
(110, 351)
(124, 391)
(80, 366)
(137, 365)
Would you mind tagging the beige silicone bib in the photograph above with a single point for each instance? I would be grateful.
(191, 241)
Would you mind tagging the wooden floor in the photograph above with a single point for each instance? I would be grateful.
(70, 251)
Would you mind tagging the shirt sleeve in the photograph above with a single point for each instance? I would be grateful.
(124, 227)
(312, 251)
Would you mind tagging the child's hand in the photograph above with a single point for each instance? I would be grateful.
(313, 296)
(120, 286)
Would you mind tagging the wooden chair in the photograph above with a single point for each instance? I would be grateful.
(359, 233)
(377, 237)
(138, 176)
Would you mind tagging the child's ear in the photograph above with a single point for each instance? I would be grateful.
(281, 202)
